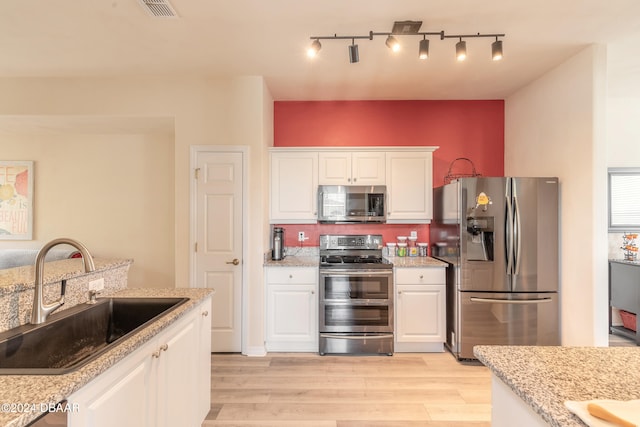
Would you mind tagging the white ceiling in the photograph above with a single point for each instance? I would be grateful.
(221, 38)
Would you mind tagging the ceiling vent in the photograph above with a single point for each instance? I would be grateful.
(159, 8)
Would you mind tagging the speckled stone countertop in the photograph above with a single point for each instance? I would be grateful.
(545, 377)
(21, 278)
(51, 389)
(416, 261)
(624, 261)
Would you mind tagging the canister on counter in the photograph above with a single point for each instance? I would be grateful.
(391, 249)
(412, 249)
(402, 249)
(423, 249)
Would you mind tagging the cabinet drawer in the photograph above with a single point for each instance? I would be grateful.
(420, 276)
(292, 275)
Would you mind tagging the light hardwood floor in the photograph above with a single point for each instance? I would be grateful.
(285, 389)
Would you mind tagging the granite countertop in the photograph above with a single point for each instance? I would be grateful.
(306, 260)
(545, 377)
(624, 261)
(51, 389)
(416, 261)
(21, 278)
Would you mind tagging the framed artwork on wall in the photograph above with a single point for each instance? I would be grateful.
(16, 200)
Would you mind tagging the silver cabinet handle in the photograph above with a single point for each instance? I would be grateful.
(236, 261)
(163, 347)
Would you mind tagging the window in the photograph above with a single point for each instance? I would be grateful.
(624, 199)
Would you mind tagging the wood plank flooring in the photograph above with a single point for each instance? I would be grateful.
(307, 390)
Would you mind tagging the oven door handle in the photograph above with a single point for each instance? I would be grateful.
(357, 337)
(342, 273)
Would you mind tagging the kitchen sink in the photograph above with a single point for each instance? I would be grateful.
(74, 337)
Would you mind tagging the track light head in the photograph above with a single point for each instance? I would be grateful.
(353, 53)
(314, 48)
(461, 50)
(392, 43)
(423, 51)
(496, 50)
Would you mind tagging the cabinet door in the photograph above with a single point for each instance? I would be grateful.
(203, 395)
(294, 187)
(177, 376)
(292, 317)
(409, 187)
(420, 313)
(122, 396)
(368, 168)
(334, 168)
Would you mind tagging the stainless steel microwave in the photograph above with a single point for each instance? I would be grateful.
(352, 203)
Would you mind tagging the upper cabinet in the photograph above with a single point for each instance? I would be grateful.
(294, 187)
(351, 168)
(297, 172)
(409, 187)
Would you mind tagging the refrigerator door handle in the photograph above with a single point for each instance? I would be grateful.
(511, 301)
(508, 235)
(517, 237)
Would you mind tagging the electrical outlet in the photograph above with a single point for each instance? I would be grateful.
(414, 234)
(301, 237)
(97, 284)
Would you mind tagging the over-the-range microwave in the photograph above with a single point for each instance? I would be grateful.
(352, 204)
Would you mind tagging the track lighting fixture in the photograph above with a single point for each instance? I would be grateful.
(314, 48)
(409, 28)
(461, 50)
(353, 52)
(423, 51)
(496, 50)
(392, 43)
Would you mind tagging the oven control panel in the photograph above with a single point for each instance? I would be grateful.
(359, 241)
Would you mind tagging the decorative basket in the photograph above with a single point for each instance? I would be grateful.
(628, 320)
(451, 176)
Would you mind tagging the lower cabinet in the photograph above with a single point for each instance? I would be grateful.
(292, 309)
(163, 383)
(420, 309)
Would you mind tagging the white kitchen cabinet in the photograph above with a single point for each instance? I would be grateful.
(203, 395)
(156, 385)
(294, 187)
(409, 186)
(420, 309)
(292, 309)
(351, 168)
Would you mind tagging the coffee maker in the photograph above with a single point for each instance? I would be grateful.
(277, 253)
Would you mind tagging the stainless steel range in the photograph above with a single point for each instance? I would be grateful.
(356, 296)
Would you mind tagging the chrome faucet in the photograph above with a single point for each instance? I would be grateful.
(40, 311)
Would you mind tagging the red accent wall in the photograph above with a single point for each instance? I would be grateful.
(472, 129)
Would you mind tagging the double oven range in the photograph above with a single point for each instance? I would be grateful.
(356, 296)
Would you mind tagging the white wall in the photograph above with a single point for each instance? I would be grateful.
(555, 127)
(204, 111)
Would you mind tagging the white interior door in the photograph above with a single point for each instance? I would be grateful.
(218, 258)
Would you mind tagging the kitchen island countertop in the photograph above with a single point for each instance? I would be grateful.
(29, 392)
(545, 377)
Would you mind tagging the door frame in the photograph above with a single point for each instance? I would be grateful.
(244, 150)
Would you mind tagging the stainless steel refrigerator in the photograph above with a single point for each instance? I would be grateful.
(500, 238)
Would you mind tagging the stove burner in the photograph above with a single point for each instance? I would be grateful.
(351, 259)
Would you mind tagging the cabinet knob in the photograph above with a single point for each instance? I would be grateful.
(164, 347)
(156, 354)
(291, 276)
(205, 313)
(313, 292)
(355, 179)
(421, 276)
(348, 179)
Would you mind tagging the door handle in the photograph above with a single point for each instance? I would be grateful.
(235, 261)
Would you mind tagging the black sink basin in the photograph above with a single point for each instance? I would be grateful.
(72, 338)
